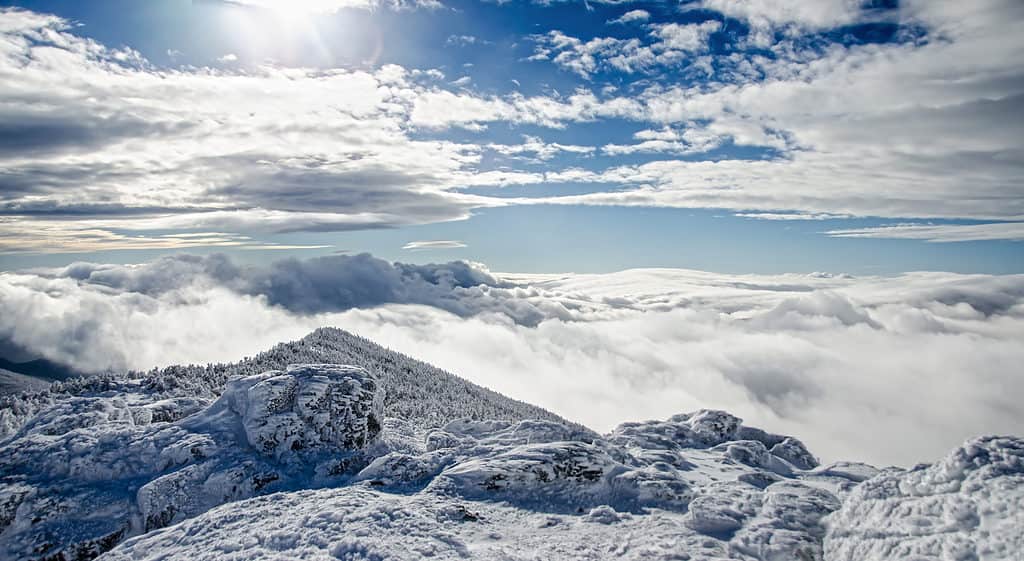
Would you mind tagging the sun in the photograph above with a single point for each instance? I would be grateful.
(305, 8)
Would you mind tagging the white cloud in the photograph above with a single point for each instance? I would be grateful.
(670, 45)
(692, 140)
(791, 216)
(230, 57)
(939, 232)
(915, 129)
(631, 16)
(764, 16)
(922, 129)
(433, 244)
(862, 368)
(106, 134)
(540, 149)
(465, 40)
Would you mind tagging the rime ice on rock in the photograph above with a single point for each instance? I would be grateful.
(181, 464)
(700, 484)
(310, 407)
(271, 431)
(969, 505)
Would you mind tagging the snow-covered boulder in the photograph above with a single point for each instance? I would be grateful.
(310, 407)
(401, 470)
(794, 452)
(969, 506)
(561, 472)
(710, 427)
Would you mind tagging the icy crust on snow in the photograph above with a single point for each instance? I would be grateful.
(86, 473)
(967, 507)
(693, 487)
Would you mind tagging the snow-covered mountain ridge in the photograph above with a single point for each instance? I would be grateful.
(334, 448)
(408, 381)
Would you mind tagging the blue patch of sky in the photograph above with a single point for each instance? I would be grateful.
(603, 239)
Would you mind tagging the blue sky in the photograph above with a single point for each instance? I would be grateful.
(745, 136)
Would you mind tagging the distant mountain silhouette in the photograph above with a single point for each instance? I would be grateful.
(41, 368)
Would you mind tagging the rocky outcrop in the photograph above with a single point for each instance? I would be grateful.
(700, 485)
(309, 408)
(150, 464)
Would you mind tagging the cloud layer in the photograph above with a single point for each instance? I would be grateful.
(893, 370)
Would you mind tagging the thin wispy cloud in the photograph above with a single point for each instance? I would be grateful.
(433, 244)
(939, 233)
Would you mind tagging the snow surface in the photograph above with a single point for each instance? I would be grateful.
(967, 507)
(390, 459)
(513, 492)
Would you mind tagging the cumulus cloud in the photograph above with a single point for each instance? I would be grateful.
(767, 16)
(865, 368)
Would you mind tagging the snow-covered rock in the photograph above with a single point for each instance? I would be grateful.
(148, 467)
(501, 490)
(416, 393)
(323, 461)
(308, 408)
(967, 507)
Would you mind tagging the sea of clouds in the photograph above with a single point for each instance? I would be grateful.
(892, 370)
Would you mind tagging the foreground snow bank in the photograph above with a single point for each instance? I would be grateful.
(967, 507)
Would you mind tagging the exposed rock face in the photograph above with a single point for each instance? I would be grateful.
(969, 506)
(88, 472)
